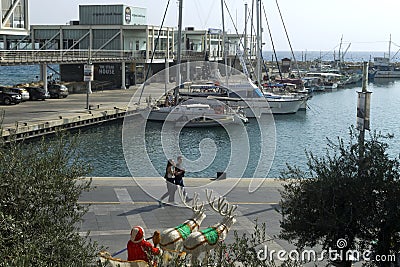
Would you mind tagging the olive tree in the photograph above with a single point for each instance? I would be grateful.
(40, 183)
(345, 197)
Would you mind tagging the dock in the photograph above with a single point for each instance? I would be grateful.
(33, 119)
(27, 130)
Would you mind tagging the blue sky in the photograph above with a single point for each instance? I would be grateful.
(313, 25)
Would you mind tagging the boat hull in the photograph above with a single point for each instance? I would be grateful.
(202, 117)
(279, 106)
(330, 86)
(390, 74)
(157, 115)
(202, 122)
(252, 107)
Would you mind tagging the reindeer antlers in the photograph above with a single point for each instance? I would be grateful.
(196, 207)
(223, 207)
(220, 205)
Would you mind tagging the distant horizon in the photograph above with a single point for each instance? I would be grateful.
(317, 51)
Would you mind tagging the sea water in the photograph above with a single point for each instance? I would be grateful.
(329, 116)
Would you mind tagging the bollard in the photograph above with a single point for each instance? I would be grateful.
(221, 175)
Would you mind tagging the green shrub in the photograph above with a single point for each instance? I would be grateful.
(40, 183)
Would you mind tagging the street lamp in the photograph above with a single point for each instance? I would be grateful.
(88, 70)
(363, 111)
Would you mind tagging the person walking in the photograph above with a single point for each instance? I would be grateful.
(170, 179)
(179, 174)
(179, 171)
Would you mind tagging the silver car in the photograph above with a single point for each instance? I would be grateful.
(22, 91)
(57, 90)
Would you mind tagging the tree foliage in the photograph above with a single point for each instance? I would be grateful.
(40, 183)
(343, 196)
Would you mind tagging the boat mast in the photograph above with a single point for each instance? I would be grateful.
(340, 48)
(224, 43)
(390, 44)
(251, 30)
(287, 36)
(259, 40)
(245, 31)
(178, 54)
(272, 44)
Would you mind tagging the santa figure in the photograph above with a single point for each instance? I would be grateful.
(138, 247)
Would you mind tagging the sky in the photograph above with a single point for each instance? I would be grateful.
(312, 25)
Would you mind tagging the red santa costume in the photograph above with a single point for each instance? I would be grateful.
(137, 246)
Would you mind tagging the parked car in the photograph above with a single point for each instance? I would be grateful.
(22, 91)
(57, 90)
(36, 93)
(9, 97)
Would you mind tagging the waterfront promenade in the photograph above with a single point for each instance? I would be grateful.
(41, 111)
(35, 118)
(117, 204)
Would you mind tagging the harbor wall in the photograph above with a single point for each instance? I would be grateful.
(24, 131)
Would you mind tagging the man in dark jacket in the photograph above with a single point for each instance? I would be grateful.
(179, 171)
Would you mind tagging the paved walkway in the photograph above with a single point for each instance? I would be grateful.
(117, 204)
(74, 104)
(50, 111)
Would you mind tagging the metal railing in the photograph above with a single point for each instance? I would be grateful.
(190, 54)
(14, 57)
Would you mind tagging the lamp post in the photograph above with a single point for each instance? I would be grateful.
(88, 77)
(178, 52)
(363, 111)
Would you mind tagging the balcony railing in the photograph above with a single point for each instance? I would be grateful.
(14, 57)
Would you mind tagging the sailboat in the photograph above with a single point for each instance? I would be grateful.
(247, 96)
(198, 112)
(279, 103)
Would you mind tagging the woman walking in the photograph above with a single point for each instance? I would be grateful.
(170, 179)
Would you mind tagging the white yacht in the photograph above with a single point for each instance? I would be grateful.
(285, 104)
(327, 80)
(198, 112)
(240, 96)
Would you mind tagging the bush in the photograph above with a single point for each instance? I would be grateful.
(40, 184)
(345, 196)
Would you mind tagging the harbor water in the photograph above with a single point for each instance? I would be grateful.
(330, 115)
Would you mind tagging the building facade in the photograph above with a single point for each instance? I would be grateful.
(104, 29)
(119, 42)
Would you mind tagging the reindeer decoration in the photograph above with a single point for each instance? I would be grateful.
(172, 238)
(207, 239)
